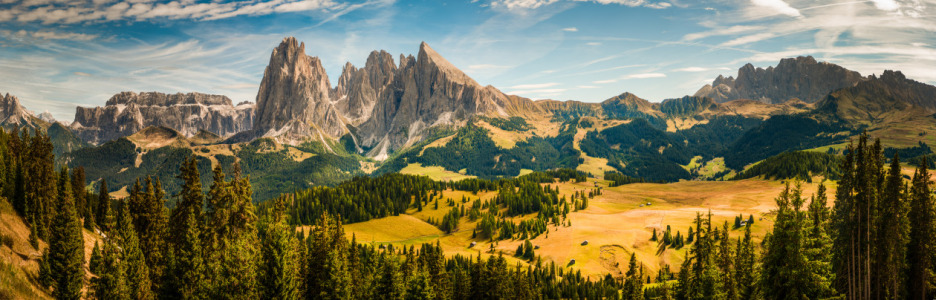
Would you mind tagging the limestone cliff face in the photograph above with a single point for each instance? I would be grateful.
(293, 102)
(12, 113)
(801, 78)
(128, 112)
(427, 91)
(385, 106)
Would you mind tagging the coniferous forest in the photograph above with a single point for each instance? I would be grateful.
(876, 240)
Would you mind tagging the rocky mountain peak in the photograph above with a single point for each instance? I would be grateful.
(293, 101)
(11, 112)
(801, 77)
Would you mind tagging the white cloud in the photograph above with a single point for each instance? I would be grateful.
(71, 12)
(521, 4)
(52, 35)
(644, 76)
(888, 5)
(632, 3)
(534, 86)
(593, 44)
(570, 29)
(777, 6)
(692, 69)
(604, 81)
(587, 87)
(749, 39)
(722, 31)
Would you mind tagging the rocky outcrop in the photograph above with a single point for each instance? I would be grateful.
(128, 112)
(627, 106)
(12, 113)
(800, 78)
(425, 92)
(385, 106)
(293, 102)
(888, 98)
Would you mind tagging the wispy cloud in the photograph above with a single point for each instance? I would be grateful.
(71, 12)
(777, 7)
(534, 86)
(644, 76)
(570, 29)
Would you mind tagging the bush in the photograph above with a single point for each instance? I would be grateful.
(6, 240)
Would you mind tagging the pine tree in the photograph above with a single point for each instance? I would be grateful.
(94, 264)
(892, 228)
(920, 283)
(79, 193)
(231, 236)
(187, 265)
(111, 282)
(66, 245)
(633, 285)
(818, 246)
(104, 213)
(134, 264)
(745, 267)
(280, 274)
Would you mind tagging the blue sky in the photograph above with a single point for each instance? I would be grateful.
(57, 54)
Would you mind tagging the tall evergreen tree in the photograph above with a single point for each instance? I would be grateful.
(104, 214)
(922, 246)
(134, 264)
(187, 265)
(746, 267)
(633, 284)
(892, 229)
(66, 245)
(231, 237)
(280, 273)
(111, 281)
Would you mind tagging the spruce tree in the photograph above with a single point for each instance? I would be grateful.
(892, 229)
(280, 273)
(111, 281)
(746, 267)
(920, 283)
(136, 270)
(104, 213)
(66, 245)
(96, 260)
(231, 246)
(633, 285)
(817, 246)
(187, 266)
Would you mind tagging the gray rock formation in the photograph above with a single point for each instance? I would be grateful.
(425, 92)
(385, 106)
(801, 78)
(128, 112)
(293, 103)
(46, 116)
(13, 114)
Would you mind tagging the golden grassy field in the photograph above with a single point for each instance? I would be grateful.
(614, 224)
(19, 263)
(434, 172)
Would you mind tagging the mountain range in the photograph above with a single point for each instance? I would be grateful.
(423, 111)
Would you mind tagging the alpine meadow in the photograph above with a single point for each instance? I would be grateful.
(199, 149)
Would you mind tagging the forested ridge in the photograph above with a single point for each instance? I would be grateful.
(877, 241)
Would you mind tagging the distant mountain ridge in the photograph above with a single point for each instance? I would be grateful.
(801, 78)
(128, 112)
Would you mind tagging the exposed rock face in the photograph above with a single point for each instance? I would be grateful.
(293, 102)
(12, 113)
(801, 78)
(388, 105)
(128, 112)
(878, 98)
(46, 116)
(426, 91)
